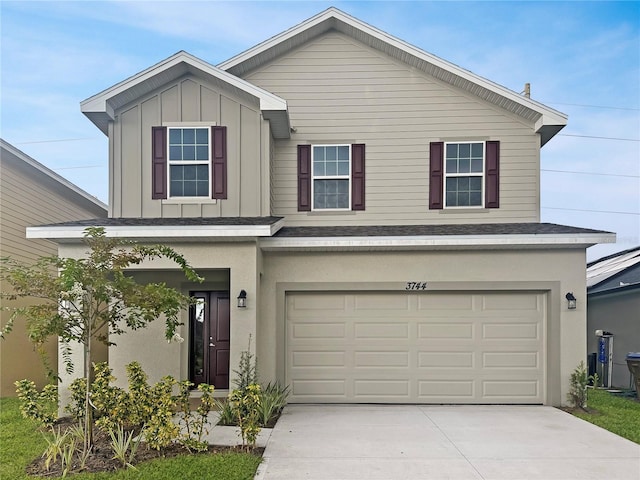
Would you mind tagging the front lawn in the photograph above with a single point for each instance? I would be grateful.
(617, 414)
(21, 442)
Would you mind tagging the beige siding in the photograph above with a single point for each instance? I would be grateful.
(188, 100)
(339, 90)
(28, 198)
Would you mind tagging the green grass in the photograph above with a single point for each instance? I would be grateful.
(21, 442)
(616, 414)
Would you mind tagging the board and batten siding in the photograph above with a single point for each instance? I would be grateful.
(339, 90)
(30, 198)
(189, 100)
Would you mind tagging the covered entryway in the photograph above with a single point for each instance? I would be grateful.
(416, 347)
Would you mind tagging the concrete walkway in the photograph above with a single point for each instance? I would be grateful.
(352, 442)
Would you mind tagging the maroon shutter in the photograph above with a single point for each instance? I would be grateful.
(436, 174)
(492, 173)
(219, 162)
(304, 178)
(158, 162)
(357, 176)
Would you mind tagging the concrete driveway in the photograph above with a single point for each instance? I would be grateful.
(411, 442)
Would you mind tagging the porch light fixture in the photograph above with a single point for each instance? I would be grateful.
(242, 299)
(571, 301)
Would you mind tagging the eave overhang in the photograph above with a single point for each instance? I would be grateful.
(101, 108)
(435, 242)
(66, 233)
(547, 121)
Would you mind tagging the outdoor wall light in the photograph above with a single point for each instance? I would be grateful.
(571, 301)
(242, 299)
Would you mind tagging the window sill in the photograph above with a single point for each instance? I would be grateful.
(330, 212)
(465, 210)
(189, 201)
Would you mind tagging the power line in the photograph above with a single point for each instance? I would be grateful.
(591, 211)
(81, 166)
(56, 141)
(591, 173)
(593, 106)
(601, 138)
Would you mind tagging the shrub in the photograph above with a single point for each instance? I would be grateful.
(579, 380)
(273, 399)
(245, 405)
(39, 406)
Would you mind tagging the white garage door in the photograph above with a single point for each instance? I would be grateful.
(408, 347)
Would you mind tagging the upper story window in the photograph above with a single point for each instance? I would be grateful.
(464, 174)
(331, 177)
(189, 162)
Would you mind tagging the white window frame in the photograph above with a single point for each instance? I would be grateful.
(330, 177)
(182, 126)
(464, 174)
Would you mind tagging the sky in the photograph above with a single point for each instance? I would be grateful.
(581, 58)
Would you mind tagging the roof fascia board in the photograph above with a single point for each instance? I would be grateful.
(393, 242)
(63, 182)
(67, 232)
(549, 115)
(100, 101)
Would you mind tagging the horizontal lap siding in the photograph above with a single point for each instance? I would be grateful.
(339, 90)
(27, 203)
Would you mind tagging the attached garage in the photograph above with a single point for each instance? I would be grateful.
(474, 347)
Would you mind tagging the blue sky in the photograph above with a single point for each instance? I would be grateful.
(582, 58)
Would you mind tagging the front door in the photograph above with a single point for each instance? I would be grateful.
(209, 339)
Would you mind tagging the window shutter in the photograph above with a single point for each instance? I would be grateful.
(357, 176)
(219, 162)
(304, 178)
(492, 184)
(436, 174)
(158, 162)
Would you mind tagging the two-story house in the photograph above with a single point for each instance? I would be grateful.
(376, 210)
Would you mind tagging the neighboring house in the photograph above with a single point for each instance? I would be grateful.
(379, 206)
(613, 305)
(31, 194)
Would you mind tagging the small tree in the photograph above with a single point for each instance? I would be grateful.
(88, 295)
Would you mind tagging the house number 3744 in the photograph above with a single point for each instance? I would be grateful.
(416, 286)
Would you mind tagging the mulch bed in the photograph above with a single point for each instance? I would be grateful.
(101, 458)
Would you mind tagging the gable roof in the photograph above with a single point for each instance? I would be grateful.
(617, 272)
(100, 108)
(547, 121)
(10, 155)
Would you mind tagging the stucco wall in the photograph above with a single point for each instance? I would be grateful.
(554, 271)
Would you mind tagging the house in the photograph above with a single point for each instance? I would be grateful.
(613, 305)
(375, 209)
(31, 194)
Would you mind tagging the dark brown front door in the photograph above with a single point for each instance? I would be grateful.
(209, 339)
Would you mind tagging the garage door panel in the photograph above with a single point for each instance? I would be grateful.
(442, 330)
(446, 301)
(381, 330)
(381, 359)
(511, 301)
(513, 360)
(446, 360)
(474, 355)
(509, 330)
(318, 331)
